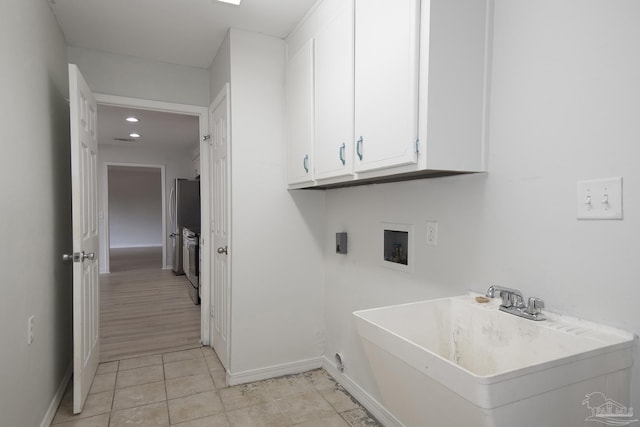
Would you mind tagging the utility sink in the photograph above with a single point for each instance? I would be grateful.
(458, 362)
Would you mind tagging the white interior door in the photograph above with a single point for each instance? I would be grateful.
(86, 307)
(220, 208)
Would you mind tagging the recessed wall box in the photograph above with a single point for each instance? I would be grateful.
(397, 245)
(341, 243)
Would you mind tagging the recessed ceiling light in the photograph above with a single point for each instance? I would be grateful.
(236, 2)
(134, 135)
(133, 119)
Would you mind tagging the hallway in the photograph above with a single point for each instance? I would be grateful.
(144, 310)
(127, 259)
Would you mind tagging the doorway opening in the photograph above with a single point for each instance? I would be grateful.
(136, 177)
(135, 217)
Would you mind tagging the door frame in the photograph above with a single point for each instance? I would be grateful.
(105, 245)
(205, 244)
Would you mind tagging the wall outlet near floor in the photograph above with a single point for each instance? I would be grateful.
(30, 323)
(432, 233)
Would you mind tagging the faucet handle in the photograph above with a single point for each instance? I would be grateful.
(535, 305)
(507, 298)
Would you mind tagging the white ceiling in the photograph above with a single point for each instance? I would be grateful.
(157, 129)
(186, 32)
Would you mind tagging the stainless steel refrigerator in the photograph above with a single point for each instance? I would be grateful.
(184, 211)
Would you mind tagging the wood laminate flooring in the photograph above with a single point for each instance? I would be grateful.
(145, 311)
(127, 259)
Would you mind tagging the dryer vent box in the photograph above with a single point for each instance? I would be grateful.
(341, 243)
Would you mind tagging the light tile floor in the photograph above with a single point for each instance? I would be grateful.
(187, 388)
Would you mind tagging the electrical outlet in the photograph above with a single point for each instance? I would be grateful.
(432, 233)
(30, 323)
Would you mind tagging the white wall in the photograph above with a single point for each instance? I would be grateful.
(135, 207)
(565, 106)
(133, 77)
(177, 165)
(36, 211)
(220, 71)
(277, 267)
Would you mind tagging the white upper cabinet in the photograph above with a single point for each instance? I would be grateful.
(333, 47)
(455, 56)
(386, 83)
(300, 115)
(384, 90)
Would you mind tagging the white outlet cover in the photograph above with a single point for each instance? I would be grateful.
(432, 233)
(30, 325)
(599, 199)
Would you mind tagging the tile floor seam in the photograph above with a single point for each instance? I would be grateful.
(113, 398)
(168, 413)
(166, 391)
(345, 420)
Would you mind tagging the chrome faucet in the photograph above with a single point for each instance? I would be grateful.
(510, 297)
(513, 303)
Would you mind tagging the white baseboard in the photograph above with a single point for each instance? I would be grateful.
(136, 245)
(274, 371)
(371, 404)
(57, 398)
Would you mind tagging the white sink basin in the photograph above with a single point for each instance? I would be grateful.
(493, 362)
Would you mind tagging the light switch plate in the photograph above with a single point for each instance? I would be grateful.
(599, 199)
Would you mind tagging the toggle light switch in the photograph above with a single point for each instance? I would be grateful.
(599, 199)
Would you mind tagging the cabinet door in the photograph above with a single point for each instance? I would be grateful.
(300, 115)
(386, 83)
(333, 46)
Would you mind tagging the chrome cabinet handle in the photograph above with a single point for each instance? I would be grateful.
(359, 147)
(222, 250)
(305, 163)
(341, 153)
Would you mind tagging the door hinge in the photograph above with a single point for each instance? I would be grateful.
(418, 146)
